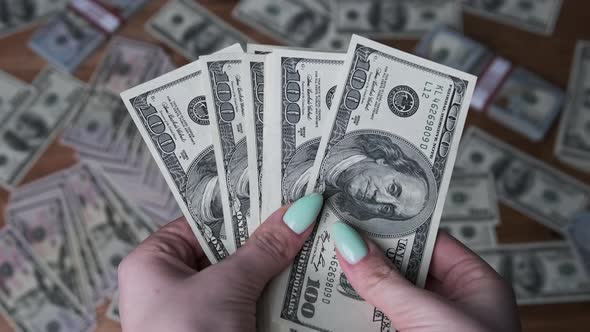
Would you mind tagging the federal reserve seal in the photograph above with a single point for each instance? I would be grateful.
(403, 101)
(197, 111)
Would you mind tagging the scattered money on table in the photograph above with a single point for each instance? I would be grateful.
(539, 16)
(573, 139)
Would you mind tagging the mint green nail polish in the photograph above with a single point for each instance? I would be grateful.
(349, 243)
(303, 212)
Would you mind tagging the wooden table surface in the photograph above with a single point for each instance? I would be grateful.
(548, 56)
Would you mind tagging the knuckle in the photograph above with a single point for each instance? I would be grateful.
(378, 276)
(272, 244)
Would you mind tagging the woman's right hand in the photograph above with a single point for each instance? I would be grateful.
(463, 293)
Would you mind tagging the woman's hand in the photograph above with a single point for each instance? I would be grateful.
(166, 284)
(463, 293)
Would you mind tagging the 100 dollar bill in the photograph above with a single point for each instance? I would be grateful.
(293, 124)
(540, 273)
(225, 93)
(522, 182)
(384, 165)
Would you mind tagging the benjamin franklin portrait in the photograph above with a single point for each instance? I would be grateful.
(515, 178)
(379, 183)
(202, 193)
(524, 272)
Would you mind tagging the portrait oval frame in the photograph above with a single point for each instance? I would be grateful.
(380, 227)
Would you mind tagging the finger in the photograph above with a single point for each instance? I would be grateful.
(377, 281)
(461, 276)
(272, 247)
(454, 266)
(172, 248)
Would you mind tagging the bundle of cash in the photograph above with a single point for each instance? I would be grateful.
(394, 19)
(70, 37)
(218, 124)
(28, 129)
(538, 16)
(103, 132)
(509, 94)
(544, 272)
(471, 211)
(31, 295)
(192, 30)
(301, 23)
(77, 226)
(18, 15)
(80, 226)
(14, 95)
(523, 182)
(573, 138)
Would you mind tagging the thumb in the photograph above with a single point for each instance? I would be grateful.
(377, 281)
(272, 247)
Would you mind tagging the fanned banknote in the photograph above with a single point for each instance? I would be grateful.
(471, 198)
(294, 22)
(18, 15)
(31, 296)
(540, 273)
(27, 133)
(224, 92)
(66, 40)
(523, 182)
(472, 234)
(395, 18)
(539, 16)
(384, 164)
(45, 223)
(192, 30)
(172, 116)
(294, 126)
(573, 138)
(14, 94)
(254, 85)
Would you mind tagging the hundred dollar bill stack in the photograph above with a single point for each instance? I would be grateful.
(376, 130)
(384, 164)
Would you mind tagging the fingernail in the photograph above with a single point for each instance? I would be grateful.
(349, 243)
(303, 212)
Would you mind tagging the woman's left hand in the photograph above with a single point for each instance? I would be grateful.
(167, 283)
